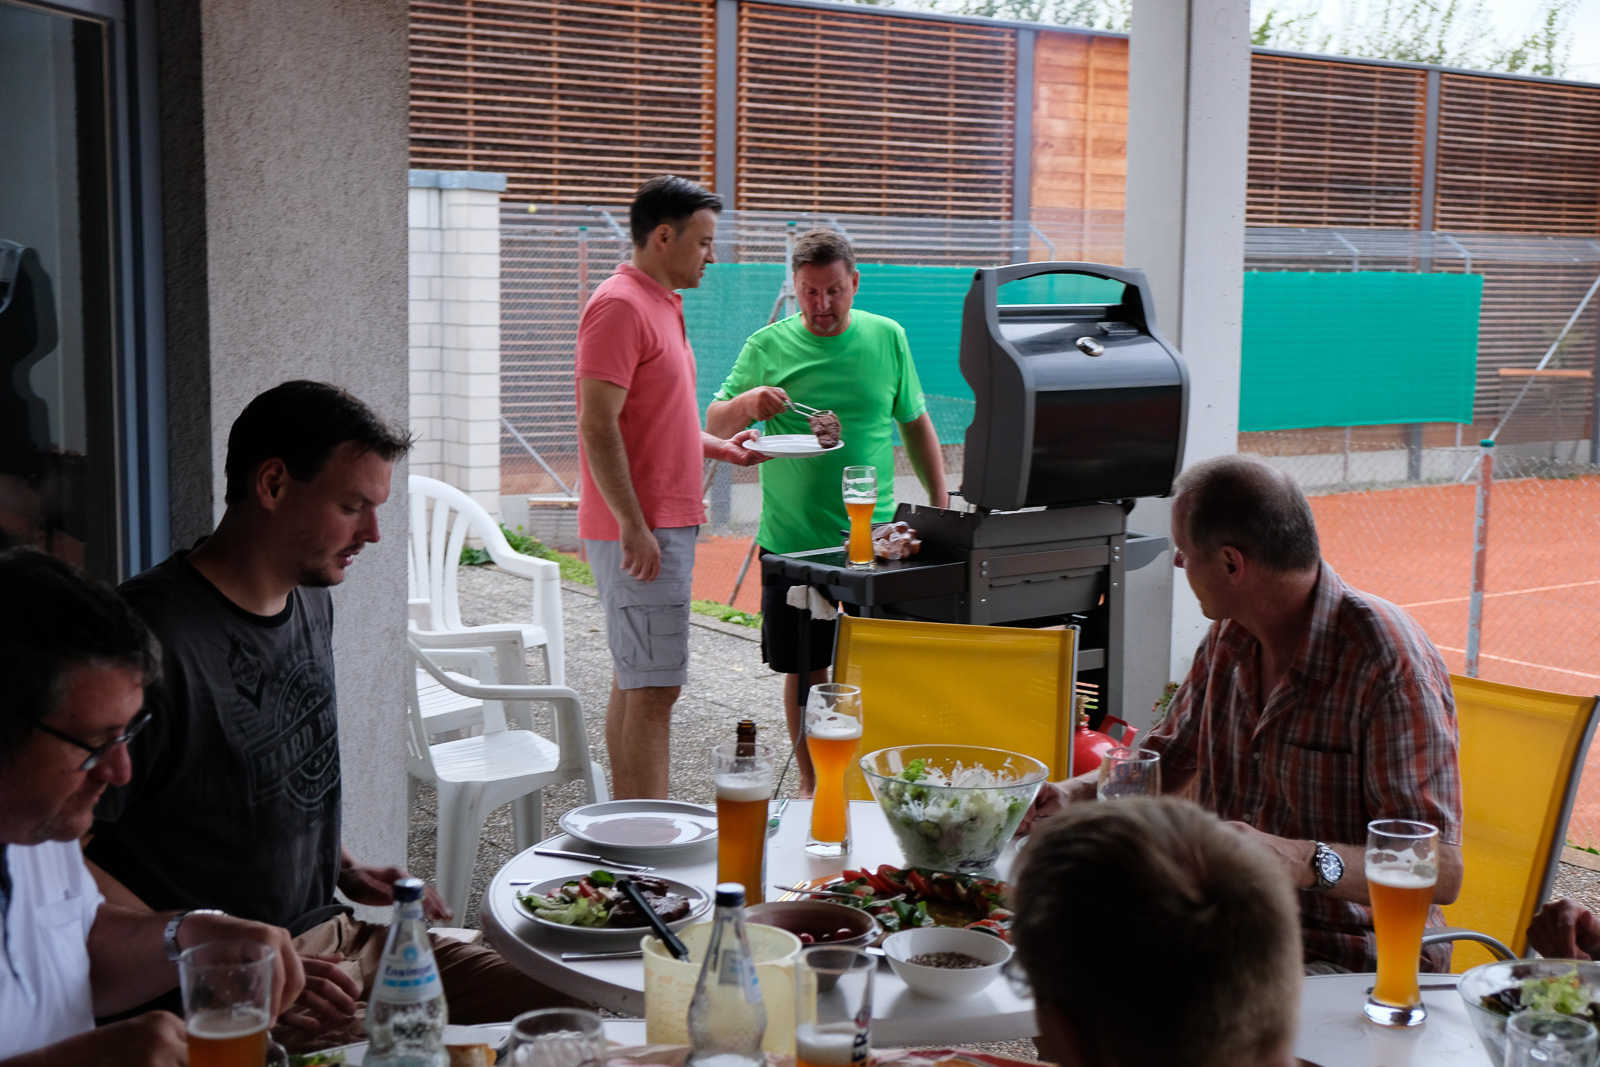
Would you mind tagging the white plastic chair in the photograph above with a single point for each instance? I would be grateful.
(475, 775)
(441, 518)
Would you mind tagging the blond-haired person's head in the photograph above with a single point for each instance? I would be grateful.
(1153, 936)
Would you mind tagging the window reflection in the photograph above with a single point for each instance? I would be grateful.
(57, 368)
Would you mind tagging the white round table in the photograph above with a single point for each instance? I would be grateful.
(900, 1017)
(1334, 1032)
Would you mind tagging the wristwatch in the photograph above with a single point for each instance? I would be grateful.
(1326, 868)
(169, 940)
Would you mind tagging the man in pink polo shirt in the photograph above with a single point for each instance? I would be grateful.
(641, 504)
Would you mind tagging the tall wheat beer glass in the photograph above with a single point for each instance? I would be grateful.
(742, 774)
(227, 999)
(833, 733)
(860, 498)
(1402, 865)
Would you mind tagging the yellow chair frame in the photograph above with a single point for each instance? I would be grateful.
(933, 682)
(1522, 755)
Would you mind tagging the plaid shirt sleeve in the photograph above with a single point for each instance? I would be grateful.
(1177, 736)
(1410, 750)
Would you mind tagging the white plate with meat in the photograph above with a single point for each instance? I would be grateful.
(591, 903)
(789, 445)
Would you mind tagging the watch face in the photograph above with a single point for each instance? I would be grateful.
(1330, 865)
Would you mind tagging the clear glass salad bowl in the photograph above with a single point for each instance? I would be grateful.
(952, 807)
(1490, 978)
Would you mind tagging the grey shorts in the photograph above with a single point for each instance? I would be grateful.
(647, 623)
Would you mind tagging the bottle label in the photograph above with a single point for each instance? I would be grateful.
(739, 970)
(409, 976)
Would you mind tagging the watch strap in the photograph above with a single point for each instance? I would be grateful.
(169, 939)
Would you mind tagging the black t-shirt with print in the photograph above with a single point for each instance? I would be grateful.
(234, 800)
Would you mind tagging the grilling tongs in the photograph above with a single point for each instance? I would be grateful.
(805, 409)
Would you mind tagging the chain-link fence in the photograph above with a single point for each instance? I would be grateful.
(1394, 502)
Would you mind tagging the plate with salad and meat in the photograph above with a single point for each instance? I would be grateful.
(592, 903)
(905, 897)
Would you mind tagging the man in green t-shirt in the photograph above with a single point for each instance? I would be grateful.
(858, 365)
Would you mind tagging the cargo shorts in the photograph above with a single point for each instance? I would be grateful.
(647, 623)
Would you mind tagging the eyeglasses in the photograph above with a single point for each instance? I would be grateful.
(1017, 978)
(99, 752)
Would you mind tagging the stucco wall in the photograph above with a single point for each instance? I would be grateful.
(304, 117)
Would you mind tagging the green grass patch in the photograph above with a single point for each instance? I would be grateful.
(726, 612)
(573, 569)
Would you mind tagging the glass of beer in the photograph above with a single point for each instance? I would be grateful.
(833, 733)
(860, 498)
(227, 1004)
(833, 1007)
(742, 774)
(1402, 864)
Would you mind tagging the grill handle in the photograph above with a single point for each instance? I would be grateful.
(1136, 298)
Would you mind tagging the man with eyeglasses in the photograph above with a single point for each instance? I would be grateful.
(75, 660)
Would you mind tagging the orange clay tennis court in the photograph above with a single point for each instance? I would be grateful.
(1541, 611)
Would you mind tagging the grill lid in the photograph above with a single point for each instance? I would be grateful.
(1075, 402)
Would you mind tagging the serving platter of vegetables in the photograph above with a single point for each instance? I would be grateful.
(905, 897)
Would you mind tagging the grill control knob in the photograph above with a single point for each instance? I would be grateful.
(1090, 347)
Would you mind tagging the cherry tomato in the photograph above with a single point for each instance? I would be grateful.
(844, 933)
(807, 939)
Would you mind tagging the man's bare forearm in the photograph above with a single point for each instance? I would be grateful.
(608, 464)
(128, 961)
(724, 418)
(922, 448)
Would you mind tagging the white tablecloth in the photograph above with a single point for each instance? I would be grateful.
(1334, 1032)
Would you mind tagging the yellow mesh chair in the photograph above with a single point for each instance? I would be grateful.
(946, 683)
(1522, 753)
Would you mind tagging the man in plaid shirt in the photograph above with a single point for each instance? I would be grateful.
(1310, 710)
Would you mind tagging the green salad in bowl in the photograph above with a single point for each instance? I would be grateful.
(952, 807)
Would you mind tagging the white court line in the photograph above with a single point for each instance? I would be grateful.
(1512, 592)
(1520, 662)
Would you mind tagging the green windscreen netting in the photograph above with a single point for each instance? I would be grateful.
(735, 299)
(1335, 349)
(1364, 348)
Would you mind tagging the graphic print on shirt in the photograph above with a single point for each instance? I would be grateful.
(284, 724)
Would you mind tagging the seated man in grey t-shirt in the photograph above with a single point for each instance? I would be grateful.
(236, 803)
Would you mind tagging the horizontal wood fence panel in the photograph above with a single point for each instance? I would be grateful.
(869, 114)
(1334, 144)
(573, 102)
(1518, 156)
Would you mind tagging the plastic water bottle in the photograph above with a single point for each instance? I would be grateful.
(727, 1019)
(406, 1013)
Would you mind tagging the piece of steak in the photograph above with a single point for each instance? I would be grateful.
(670, 906)
(825, 424)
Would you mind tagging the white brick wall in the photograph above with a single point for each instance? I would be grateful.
(455, 330)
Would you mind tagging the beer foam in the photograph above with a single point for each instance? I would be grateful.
(831, 726)
(825, 1045)
(744, 787)
(1400, 870)
(225, 1023)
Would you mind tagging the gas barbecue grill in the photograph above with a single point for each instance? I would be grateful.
(1080, 411)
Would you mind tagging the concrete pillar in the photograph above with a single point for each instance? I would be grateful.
(1188, 139)
(455, 329)
(284, 125)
